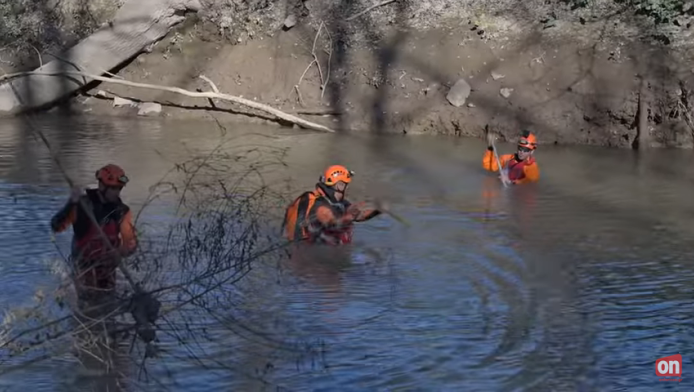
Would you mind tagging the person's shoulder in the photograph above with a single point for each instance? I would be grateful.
(122, 207)
(88, 197)
(90, 193)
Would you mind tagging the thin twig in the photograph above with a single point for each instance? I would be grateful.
(214, 88)
(314, 61)
(683, 105)
(687, 116)
(539, 59)
(371, 8)
(296, 86)
(330, 57)
(211, 83)
(313, 52)
(77, 68)
(39, 55)
(642, 133)
(304, 74)
(298, 92)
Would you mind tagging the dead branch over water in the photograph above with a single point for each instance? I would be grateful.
(215, 94)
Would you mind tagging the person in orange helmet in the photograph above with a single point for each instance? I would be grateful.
(521, 166)
(94, 260)
(324, 215)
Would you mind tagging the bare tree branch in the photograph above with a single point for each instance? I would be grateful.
(211, 94)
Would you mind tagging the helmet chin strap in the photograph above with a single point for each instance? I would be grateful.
(329, 192)
(102, 194)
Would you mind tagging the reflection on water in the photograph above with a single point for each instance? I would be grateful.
(578, 282)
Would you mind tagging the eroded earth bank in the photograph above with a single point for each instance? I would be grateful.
(574, 74)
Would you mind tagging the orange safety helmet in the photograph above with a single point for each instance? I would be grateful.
(335, 174)
(112, 175)
(528, 140)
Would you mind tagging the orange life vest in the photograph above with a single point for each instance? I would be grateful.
(297, 225)
(515, 168)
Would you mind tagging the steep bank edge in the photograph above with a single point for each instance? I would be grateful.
(566, 91)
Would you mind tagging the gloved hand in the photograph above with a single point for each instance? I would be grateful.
(75, 194)
(353, 211)
(490, 138)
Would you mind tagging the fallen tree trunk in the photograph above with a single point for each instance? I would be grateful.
(137, 25)
(77, 76)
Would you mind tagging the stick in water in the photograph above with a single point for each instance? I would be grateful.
(379, 206)
(396, 217)
(502, 171)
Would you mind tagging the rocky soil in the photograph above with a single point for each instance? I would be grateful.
(436, 66)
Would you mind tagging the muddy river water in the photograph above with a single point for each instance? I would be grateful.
(578, 283)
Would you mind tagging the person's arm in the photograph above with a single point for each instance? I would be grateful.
(64, 218)
(322, 218)
(532, 174)
(68, 214)
(365, 215)
(489, 161)
(361, 214)
(325, 217)
(128, 235)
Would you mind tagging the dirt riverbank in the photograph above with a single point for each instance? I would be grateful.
(573, 82)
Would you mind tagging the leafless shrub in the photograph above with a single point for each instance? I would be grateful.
(223, 228)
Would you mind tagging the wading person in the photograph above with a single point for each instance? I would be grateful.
(323, 215)
(521, 166)
(93, 259)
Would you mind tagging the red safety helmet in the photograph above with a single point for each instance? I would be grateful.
(112, 175)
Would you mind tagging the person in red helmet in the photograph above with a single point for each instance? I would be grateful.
(94, 260)
(324, 215)
(521, 166)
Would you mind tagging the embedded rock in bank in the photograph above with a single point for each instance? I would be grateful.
(497, 75)
(290, 22)
(149, 109)
(120, 102)
(459, 93)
